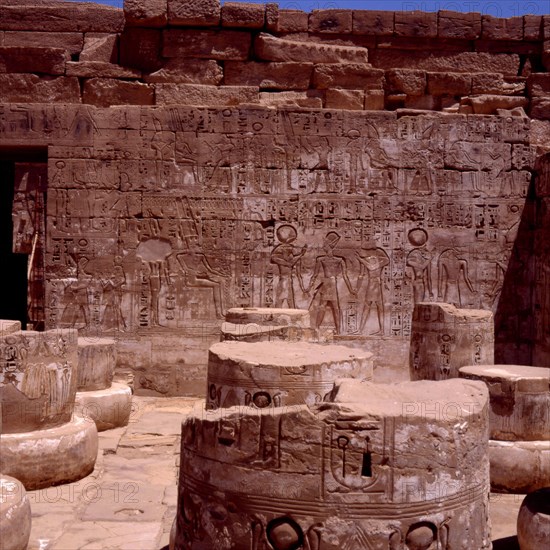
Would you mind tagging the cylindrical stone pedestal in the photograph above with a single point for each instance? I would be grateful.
(267, 374)
(42, 443)
(96, 363)
(108, 405)
(445, 338)
(15, 515)
(40, 378)
(377, 468)
(110, 408)
(43, 458)
(534, 521)
(252, 324)
(519, 420)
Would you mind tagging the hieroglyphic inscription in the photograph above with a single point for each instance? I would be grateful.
(162, 218)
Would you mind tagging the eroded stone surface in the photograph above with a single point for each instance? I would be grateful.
(109, 408)
(51, 456)
(153, 13)
(261, 324)
(519, 466)
(267, 374)
(194, 12)
(270, 48)
(39, 380)
(15, 514)
(534, 520)
(519, 398)
(444, 337)
(340, 472)
(96, 363)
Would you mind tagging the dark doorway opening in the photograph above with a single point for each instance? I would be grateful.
(14, 258)
(13, 298)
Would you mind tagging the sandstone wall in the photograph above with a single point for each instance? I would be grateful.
(176, 190)
(198, 53)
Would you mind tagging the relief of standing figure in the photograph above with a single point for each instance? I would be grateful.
(451, 267)
(328, 269)
(372, 260)
(287, 257)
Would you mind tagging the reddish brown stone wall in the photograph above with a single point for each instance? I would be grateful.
(191, 53)
(160, 138)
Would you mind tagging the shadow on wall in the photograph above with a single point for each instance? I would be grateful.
(522, 318)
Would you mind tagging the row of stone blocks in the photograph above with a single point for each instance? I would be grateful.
(374, 464)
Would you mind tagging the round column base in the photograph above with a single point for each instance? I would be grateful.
(534, 520)
(108, 408)
(519, 466)
(15, 514)
(44, 458)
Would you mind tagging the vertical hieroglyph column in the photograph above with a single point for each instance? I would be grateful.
(445, 338)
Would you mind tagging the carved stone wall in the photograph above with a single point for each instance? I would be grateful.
(192, 168)
(160, 219)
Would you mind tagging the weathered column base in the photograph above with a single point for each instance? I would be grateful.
(15, 514)
(519, 466)
(534, 520)
(108, 408)
(44, 458)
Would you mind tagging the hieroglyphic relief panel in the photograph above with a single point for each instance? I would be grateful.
(159, 219)
(353, 216)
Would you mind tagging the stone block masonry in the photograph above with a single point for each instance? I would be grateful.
(262, 42)
(203, 157)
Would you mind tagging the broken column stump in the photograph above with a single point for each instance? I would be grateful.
(372, 469)
(275, 374)
(519, 448)
(42, 443)
(108, 404)
(445, 338)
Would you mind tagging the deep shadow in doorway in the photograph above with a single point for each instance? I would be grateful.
(13, 267)
(13, 277)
